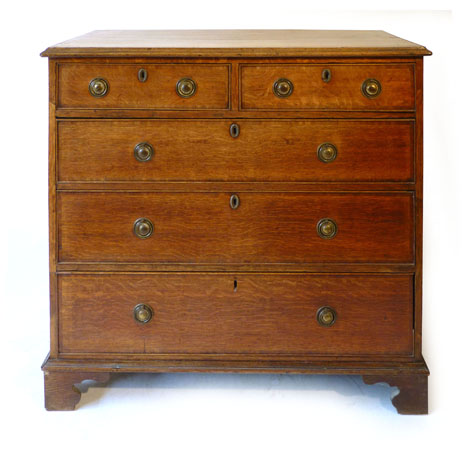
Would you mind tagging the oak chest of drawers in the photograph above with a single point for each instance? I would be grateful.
(236, 201)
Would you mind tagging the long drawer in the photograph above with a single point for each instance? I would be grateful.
(328, 87)
(156, 86)
(236, 313)
(206, 150)
(251, 227)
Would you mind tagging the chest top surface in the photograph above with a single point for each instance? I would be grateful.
(236, 43)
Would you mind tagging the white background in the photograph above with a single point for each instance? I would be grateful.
(179, 416)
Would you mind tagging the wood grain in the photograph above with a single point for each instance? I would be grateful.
(158, 92)
(234, 43)
(371, 272)
(413, 395)
(197, 313)
(343, 92)
(265, 150)
(258, 363)
(61, 393)
(266, 228)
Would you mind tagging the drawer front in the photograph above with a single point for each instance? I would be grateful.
(205, 313)
(265, 228)
(343, 91)
(191, 150)
(159, 91)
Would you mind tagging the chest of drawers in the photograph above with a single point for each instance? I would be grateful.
(236, 201)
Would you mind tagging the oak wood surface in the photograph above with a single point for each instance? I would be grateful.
(343, 91)
(265, 228)
(413, 395)
(158, 92)
(61, 392)
(198, 186)
(283, 364)
(226, 313)
(265, 150)
(418, 323)
(371, 270)
(236, 43)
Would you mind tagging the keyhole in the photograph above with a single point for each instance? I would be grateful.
(235, 285)
(142, 75)
(234, 130)
(326, 75)
(234, 201)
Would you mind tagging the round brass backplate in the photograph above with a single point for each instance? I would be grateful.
(143, 152)
(327, 152)
(371, 88)
(143, 313)
(143, 228)
(327, 228)
(283, 87)
(98, 87)
(186, 87)
(326, 316)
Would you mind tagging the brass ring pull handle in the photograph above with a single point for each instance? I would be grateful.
(326, 75)
(143, 313)
(327, 228)
(234, 201)
(98, 87)
(186, 87)
(143, 228)
(327, 152)
(371, 88)
(283, 87)
(326, 316)
(143, 152)
(234, 130)
(142, 75)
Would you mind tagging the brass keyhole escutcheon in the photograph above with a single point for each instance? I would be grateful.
(98, 87)
(143, 313)
(186, 87)
(371, 88)
(327, 152)
(283, 87)
(234, 130)
(327, 228)
(143, 152)
(142, 75)
(326, 316)
(234, 201)
(326, 75)
(143, 228)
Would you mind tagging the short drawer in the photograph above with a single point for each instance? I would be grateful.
(202, 227)
(165, 87)
(236, 314)
(328, 87)
(241, 150)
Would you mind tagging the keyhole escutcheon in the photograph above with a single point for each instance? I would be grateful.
(234, 201)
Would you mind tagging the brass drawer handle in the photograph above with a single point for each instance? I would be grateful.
(326, 75)
(98, 87)
(234, 130)
(234, 201)
(186, 87)
(143, 152)
(326, 316)
(142, 75)
(143, 313)
(143, 228)
(283, 87)
(371, 88)
(327, 228)
(327, 152)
